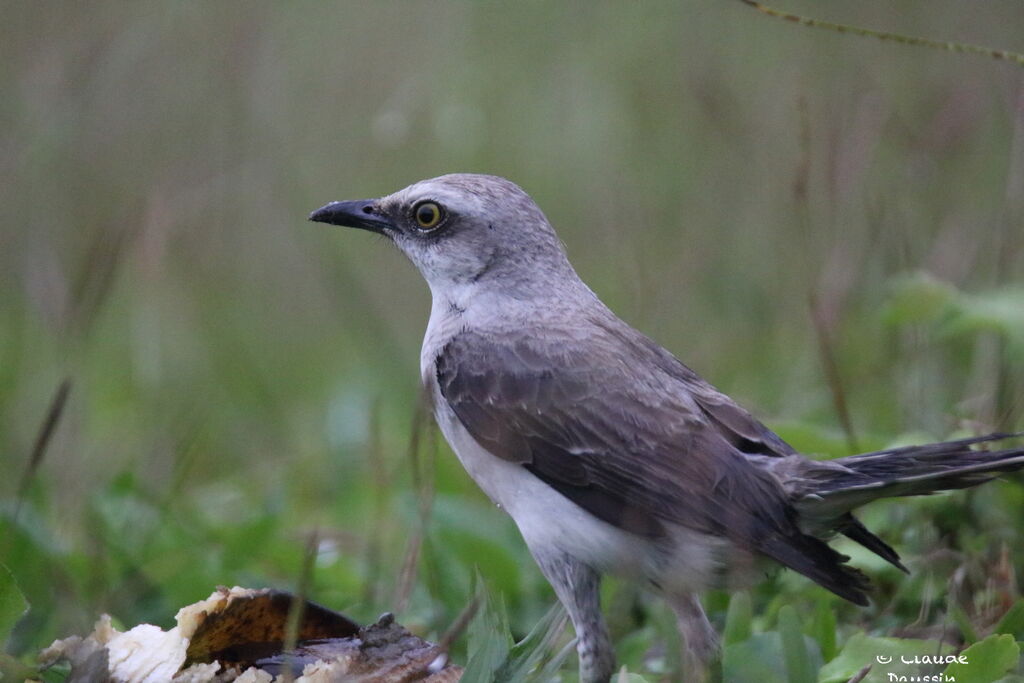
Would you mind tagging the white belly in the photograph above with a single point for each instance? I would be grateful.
(684, 562)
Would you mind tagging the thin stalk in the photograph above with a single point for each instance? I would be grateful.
(947, 45)
(297, 609)
(43, 437)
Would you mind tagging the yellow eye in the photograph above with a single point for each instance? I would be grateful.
(428, 215)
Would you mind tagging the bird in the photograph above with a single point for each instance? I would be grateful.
(611, 456)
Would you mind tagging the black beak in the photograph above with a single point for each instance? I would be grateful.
(361, 213)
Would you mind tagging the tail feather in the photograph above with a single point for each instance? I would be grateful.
(943, 455)
(855, 531)
(825, 492)
(920, 470)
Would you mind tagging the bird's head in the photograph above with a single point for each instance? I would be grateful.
(462, 229)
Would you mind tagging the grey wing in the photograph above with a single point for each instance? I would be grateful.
(732, 422)
(747, 435)
(628, 443)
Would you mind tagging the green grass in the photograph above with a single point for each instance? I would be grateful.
(241, 378)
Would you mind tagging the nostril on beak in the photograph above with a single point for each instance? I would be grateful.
(368, 209)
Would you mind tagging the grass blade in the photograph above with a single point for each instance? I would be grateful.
(1013, 621)
(794, 648)
(738, 619)
(528, 652)
(13, 605)
(823, 629)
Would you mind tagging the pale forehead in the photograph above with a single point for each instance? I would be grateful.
(439, 191)
(465, 191)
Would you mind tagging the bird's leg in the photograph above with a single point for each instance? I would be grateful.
(577, 587)
(700, 641)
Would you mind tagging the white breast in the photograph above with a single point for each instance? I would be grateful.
(544, 516)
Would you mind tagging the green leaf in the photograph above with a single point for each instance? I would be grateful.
(922, 298)
(918, 298)
(550, 670)
(996, 310)
(794, 647)
(625, 677)
(525, 655)
(737, 619)
(489, 639)
(12, 669)
(963, 622)
(13, 605)
(985, 661)
(823, 629)
(885, 655)
(755, 660)
(1013, 621)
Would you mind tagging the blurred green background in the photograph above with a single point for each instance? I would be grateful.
(807, 219)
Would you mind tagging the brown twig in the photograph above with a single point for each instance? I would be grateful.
(298, 605)
(860, 675)
(460, 623)
(97, 274)
(43, 436)
(948, 46)
(832, 374)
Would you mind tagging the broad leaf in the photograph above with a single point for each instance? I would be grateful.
(896, 656)
(985, 661)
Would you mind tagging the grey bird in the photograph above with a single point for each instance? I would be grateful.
(609, 453)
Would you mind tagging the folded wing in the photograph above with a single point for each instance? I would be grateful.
(634, 438)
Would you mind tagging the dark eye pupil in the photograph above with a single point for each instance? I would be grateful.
(428, 215)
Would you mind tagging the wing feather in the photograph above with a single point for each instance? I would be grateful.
(635, 438)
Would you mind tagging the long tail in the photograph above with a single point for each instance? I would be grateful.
(826, 491)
